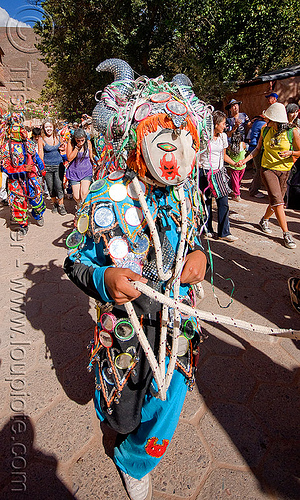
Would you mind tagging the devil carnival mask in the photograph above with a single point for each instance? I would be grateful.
(169, 155)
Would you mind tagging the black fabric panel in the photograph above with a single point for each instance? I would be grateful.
(82, 276)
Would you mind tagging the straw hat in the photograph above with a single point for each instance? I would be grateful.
(277, 113)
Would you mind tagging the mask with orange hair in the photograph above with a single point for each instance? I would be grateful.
(167, 152)
(160, 125)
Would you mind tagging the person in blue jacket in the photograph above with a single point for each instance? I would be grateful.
(139, 225)
(257, 124)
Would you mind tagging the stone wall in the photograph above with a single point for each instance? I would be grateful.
(23, 72)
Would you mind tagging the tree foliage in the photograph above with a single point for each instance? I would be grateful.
(216, 43)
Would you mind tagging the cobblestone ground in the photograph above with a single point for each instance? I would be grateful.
(238, 432)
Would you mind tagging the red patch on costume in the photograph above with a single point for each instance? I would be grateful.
(169, 169)
(156, 450)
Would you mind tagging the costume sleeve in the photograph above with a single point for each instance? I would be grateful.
(87, 270)
(40, 164)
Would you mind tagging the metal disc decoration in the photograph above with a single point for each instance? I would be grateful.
(124, 330)
(196, 199)
(116, 175)
(74, 239)
(142, 112)
(118, 247)
(131, 191)
(105, 339)
(176, 107)
(134, 216)
(161, 97)
(188, 329)
(123, 360)
(141, 245)
(132, 264)
(104, 216)
(97, 185)
(175, 193)
(83, 223)
(117, 192)
(183, 345)
(108, 321)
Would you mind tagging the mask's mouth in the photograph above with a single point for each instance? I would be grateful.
(169, 168)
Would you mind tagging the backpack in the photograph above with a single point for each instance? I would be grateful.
(290, 136)
(293, 191)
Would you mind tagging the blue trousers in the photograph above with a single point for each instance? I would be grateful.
(223, 216)
(142, 449)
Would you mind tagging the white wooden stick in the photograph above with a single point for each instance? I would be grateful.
(214, 318)
(147, 349)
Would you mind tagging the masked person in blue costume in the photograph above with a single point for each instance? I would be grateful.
(138, 227)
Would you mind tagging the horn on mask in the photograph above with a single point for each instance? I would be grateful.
(114, 95)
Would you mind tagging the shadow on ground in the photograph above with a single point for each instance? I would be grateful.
(61, 311)
(257, 403)
(260, 283)
(27, 472)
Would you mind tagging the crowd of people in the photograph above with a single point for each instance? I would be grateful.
(59, 160)
(272, 142)
(54, 160)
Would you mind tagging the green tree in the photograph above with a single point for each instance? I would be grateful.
(216, 43)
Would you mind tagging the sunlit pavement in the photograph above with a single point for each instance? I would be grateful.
(238, 435)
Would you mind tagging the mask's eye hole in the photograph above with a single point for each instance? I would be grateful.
(166, 146)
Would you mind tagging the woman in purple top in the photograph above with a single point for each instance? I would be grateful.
(80, 169)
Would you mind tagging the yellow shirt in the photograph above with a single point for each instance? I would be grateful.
(270, 158)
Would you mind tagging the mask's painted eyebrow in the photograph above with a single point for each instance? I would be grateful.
(163, 131)
(167, 131)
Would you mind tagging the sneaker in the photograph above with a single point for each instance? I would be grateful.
(236, 198)
(288, 240)
(138, 489)
(61, 210)
(54, 208)
(208, 235)
(40, 222)
(230, 238)
(294, 289)
(23, 230)
(259, 194)
(198, 288)
(264, 226)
